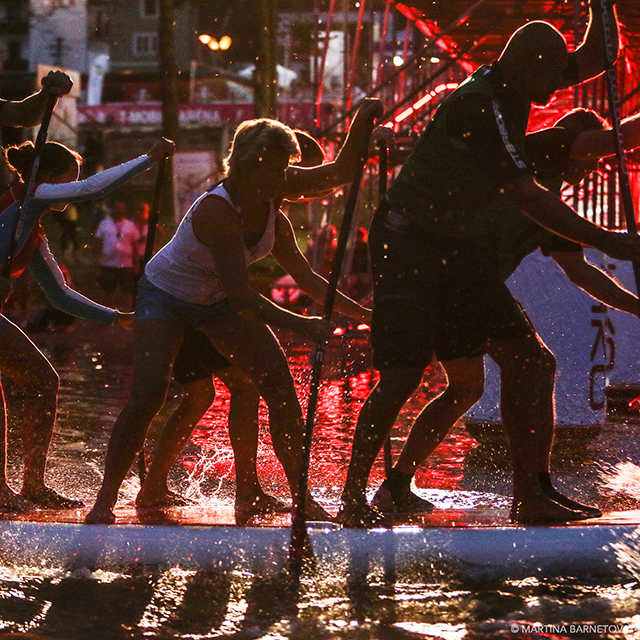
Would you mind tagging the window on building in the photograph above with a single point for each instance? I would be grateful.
(99, 23)
(145, 44)
(14, 50)
(13, 60)
(149, 8)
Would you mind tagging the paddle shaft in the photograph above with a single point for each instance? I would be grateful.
(41, 140)
(298, 523)
(614, 108)
(154, 216)
(383, 164)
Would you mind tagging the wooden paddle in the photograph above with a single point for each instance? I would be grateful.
(383, 164)
(298, 525)
(154, 213)
(41, 140)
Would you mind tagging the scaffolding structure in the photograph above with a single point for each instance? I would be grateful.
(412, 54)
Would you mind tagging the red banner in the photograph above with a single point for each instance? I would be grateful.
(295, 114)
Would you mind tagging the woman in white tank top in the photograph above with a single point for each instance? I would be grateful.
(201, 279)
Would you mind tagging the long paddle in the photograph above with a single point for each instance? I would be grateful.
(41, 140)
(154, 213)
(382, 192)
(614, 107)
(298, 524)
(152, 223)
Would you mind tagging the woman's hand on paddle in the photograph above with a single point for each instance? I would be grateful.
(124, 320)
(162, 149)
(381, 136)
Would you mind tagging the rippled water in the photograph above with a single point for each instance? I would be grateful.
(139, 602)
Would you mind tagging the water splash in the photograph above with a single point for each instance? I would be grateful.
(623, 478)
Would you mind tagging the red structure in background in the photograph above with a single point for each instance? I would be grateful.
(462, 35)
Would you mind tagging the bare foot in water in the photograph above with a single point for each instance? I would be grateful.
(162, 500)
(541, 510)
(46, 498)
(14, 502)
(100, 515)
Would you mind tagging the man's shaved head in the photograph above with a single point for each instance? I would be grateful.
(534, 59)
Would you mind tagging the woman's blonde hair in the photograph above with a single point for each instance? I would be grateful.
(254, 137)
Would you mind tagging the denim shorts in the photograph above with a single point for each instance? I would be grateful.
(154, 303)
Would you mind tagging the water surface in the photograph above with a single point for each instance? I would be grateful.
(601, 463)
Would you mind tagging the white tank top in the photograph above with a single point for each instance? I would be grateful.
(185, 267)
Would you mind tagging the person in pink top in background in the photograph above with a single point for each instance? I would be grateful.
(116, 243)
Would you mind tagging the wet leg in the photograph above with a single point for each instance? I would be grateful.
(546, 436)
(243, 432)
(377, 417)
(27, 366)
(252, 347)
(197, 397)
(465, 377)
(156, 344)
(522, 367)
(9, 499)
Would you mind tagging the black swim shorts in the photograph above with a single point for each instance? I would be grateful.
(434, 298)
(197, 359)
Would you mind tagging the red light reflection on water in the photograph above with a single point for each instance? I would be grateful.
(348, 379)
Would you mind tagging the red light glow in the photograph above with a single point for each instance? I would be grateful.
(450, 86)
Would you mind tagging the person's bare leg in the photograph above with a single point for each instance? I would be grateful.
(243, 432)
(156, 344)
(546, 410)
(197, 397)
(522, 365)
(465, 382)
(27, 366)
(465, 378)
(9, 499)
(546, 437)
(252, 347)
(377, 417)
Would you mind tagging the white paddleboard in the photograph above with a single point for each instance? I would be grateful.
(476, 544)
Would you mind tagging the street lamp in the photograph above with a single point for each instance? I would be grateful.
(215, 45)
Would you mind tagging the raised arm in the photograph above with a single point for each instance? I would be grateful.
(549, 211)
(590, 145)
(98, 185)
(590, 55)
(287, 252)
(28, 112)
(595, 282)
(307, 181)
